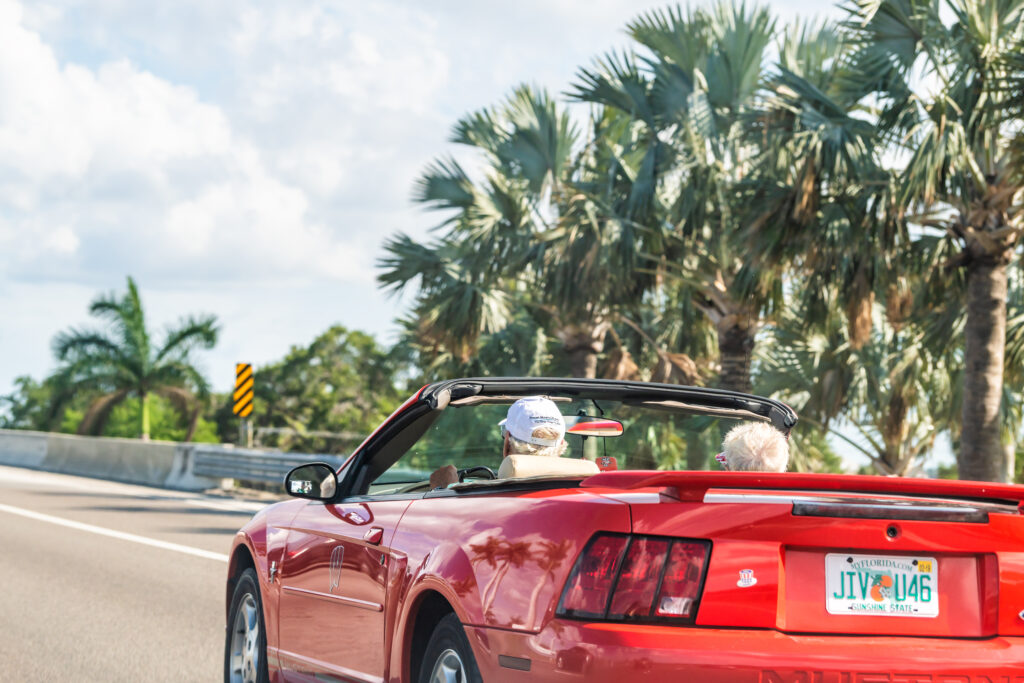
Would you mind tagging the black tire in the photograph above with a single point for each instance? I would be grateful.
(248, 664)
(449, 637)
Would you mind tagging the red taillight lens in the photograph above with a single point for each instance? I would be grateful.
(636, 578)
(680, 589)
(586, 593)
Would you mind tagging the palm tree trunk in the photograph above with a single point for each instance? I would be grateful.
(981, 451)
(735, 350)
(489, 600)
(144, 410)
(531, 615)
(193, 423)
(1009, 461)
(582, 343)
(582, 362)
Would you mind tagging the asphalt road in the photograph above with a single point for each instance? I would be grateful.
(102, 581)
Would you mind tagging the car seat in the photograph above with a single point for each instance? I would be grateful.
(520, 466)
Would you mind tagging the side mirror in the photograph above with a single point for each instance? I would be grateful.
(315, 481)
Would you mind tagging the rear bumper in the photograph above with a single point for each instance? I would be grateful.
(617, 653)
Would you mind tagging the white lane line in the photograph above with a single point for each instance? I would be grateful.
(188, 550)
(36, 477)
(224, 506)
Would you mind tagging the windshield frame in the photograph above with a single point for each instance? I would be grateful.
(393, 439)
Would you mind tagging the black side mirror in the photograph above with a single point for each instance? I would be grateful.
(315, 481)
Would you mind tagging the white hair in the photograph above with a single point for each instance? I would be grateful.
(755, 447)
(515, 446)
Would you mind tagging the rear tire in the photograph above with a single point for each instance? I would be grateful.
(448, 657)
(245, 644)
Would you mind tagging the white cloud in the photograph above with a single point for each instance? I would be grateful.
(63, 240)
(243, 157)
(62, 122)
(72, 138)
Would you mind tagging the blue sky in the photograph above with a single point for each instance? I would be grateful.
(245, 158)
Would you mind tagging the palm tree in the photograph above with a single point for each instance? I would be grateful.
(550, 557)
(688, 95)
(586, 273)
(822, 203)
(529, 236)
(943, 334)
(510, 554)
(887, 398)
(456, 301)
(122, 361)
(937, 75)
(519, 349)
(463, 278)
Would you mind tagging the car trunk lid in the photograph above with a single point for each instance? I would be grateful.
(846, 554)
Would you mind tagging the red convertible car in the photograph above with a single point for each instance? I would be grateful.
(595, 566)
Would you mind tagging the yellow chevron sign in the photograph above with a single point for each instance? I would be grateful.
(242, 397)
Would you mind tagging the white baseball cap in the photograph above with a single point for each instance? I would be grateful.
(527, 414)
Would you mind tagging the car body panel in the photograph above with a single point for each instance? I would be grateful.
(790, 566)
(486, 581)
(691, 485)
(614, 653)
(497, 554)
(262, 539)
(332, 585)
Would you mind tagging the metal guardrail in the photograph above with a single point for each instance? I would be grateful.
(250, 465)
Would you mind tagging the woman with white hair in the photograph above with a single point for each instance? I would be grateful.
(754, 447)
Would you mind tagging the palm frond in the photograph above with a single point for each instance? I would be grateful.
(192, 332)
(81, 342)
(681, 37)
(481, 129)
(616, 81)
(541, 138)
(186, 404)
(98, 412)
(444, 185)
(407, 261)
(178, 374)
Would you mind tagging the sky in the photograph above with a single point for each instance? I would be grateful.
(245, 159)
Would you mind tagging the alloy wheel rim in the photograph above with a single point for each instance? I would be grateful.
(245, 636)
(448, 668)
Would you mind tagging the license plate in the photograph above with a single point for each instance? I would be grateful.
(882, 585)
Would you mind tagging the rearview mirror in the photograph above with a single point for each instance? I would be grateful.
(315, 481)
(585, 425)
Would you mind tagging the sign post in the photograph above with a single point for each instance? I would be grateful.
(242, 401)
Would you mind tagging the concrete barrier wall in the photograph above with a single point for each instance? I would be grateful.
(23, 449)
(152, 463)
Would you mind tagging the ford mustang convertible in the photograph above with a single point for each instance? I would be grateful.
(594, 565)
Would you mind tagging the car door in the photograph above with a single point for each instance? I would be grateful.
(333, 579)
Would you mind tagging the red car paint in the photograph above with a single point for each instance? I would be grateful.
(501, 559)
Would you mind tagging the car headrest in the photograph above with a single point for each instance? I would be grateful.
(518, 466)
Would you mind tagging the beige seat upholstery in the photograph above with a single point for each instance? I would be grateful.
(519, 466)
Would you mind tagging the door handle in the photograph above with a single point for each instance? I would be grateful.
(374, 535)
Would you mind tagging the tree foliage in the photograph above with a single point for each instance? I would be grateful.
(123, 359)
(830, 213)
(327, 396)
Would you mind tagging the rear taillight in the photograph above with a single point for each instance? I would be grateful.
(592, 577)
(636, 578)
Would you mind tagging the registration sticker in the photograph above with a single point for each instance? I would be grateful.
(881, 585)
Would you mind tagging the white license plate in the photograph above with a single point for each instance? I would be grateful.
(882, 585)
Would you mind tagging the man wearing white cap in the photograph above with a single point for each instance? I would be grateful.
(534, 426)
